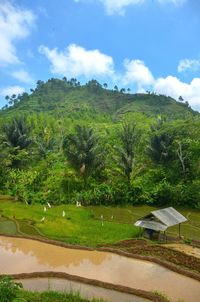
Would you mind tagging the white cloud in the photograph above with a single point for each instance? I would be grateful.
(22, 76)
(76, 61)
(10, 90)
(136, 72)
(119, 6)
(15, 24)
(188, 64)
(175, 2)
(174, 87)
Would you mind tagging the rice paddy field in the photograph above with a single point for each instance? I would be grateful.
(87, 226)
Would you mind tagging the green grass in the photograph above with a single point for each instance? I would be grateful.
(189, 229)
(78, 226)
(50, 296)
(84, 226)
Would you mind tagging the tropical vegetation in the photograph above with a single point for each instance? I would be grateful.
(66, 142)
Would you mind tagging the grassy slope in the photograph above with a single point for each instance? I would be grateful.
(57, 97)
(190, 229)
(78, 227)
(83, 225)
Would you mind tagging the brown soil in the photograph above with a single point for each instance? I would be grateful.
(185, 248)
(145, 248)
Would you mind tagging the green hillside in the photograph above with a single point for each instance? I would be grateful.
(58, 96)
(65, 142)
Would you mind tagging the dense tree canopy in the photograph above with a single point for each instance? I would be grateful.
(100, 145)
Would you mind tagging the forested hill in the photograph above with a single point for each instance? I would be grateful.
(65, 142)
(72, 99)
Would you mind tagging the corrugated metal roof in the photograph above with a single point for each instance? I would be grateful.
(152, 225)
(160, 220)
(169, 216)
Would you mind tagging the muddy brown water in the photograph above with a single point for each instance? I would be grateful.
(19, 255)
(85, 290)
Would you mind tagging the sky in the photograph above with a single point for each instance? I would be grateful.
(144, 45)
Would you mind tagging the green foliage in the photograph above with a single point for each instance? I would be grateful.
(20, 183)
(52, 296)
(83, 153)
(8, 289)
(16, 139)
(126, 152)
(116, 194)
(128, 148)
(17, 133)
(159, 149)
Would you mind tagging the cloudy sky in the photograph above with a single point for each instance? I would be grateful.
(138, 44)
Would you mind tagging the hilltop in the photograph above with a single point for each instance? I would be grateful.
(71, 99)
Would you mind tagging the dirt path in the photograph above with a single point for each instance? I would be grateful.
(184, 248)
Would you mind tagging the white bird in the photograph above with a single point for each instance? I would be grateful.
(78, 204)
(101, 220)
(49, 205)
(63, 214)
(42, 220)
(45, 209)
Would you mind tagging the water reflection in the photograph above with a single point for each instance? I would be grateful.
(86, 291)
(19, 255)
(50, 255)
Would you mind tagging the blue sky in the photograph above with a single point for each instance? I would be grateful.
(138, 44)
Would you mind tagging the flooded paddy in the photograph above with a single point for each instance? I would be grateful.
(25, 256)
(85, 290)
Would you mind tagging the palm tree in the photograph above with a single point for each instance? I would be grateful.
(17, 133)
(17, 140)
(116, 88)
(159, 148)
(126, 152)
(45, 142)
(83, 152)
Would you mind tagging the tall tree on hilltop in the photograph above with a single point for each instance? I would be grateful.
(83, 153)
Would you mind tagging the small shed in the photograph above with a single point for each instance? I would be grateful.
(159, 220)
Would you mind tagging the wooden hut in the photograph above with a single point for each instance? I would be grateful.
(158, 221)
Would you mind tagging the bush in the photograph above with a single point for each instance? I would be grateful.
(163, 194)
(8, 289)
(118, 194)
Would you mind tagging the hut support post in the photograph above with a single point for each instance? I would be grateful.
(165, 237)
(179, 230)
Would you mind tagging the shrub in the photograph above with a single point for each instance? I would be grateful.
(8, 289)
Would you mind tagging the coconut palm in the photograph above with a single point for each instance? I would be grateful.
(126, 152)
(17, 133)
(159, 148)
(83, 152)
(16, 140)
